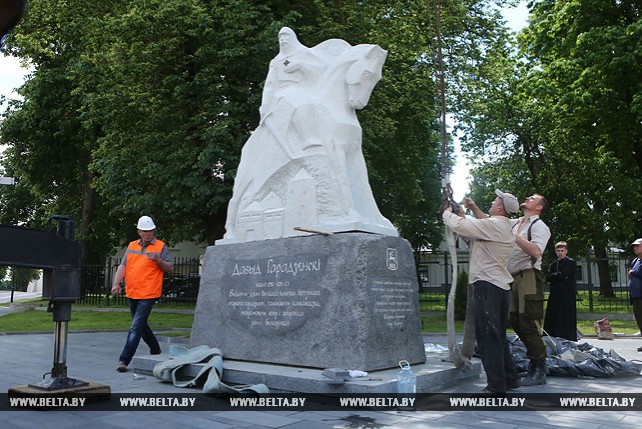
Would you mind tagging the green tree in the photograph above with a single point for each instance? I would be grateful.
(21, 277)
(178, 95)
(568, 125)
(49, 149)
(595, 69)
(143, 106)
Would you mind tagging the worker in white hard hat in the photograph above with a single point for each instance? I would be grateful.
(142, 268)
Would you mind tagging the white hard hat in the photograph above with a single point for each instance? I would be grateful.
(145, 223)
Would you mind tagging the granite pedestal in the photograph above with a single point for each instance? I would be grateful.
(344, 300)
(433, 376)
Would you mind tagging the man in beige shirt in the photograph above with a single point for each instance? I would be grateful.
(491, 241)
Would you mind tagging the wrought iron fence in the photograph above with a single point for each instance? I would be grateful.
(179, 286)
(435, 276)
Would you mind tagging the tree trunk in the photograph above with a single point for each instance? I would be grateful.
(87, 214)
(604, 272)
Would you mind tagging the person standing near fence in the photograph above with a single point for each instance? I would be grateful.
(635, 284)
(527, 289)
(491, 241)
(142, 268)
(561, 311)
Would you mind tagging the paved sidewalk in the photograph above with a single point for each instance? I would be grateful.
(7, 295)
(92, 356)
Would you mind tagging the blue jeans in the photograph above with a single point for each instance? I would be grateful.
(140, 310)
(491, 319)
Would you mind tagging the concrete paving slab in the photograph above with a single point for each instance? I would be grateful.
(25, 358)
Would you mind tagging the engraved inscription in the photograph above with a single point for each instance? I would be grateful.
(393, 304)
(274, 295)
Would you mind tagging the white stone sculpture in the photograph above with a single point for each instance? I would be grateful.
(303, 166)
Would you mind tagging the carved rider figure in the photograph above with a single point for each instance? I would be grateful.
(303, 165)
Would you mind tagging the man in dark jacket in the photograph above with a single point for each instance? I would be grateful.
(561, 312)
(635, 284)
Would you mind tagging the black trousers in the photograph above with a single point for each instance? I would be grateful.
(637, 311)
(491, 319)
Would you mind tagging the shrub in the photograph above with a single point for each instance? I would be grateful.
(460, 296)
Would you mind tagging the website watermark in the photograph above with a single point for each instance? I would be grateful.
(316, 402)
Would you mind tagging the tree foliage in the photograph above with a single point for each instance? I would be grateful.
(569, 124)
(143, 106)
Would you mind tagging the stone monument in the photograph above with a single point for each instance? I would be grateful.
(303, 165)
(309, 272)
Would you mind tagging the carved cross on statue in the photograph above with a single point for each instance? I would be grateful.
(286, 62)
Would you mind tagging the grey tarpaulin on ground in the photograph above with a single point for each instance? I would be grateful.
(594, 361)
(210, 374)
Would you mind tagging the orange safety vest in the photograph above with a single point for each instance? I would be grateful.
(143, 277)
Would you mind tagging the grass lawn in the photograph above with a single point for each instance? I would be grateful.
(105, 320)
(90, 320)
(113, 304)
(438, 324)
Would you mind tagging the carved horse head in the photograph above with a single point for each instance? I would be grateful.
(351, 76)
(364, 74)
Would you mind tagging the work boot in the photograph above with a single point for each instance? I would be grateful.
(530, 371)
(539, 375)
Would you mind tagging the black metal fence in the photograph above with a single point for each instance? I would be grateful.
(179, 286)
(435, 277)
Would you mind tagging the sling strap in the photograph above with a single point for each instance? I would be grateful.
(530, 237)
(210, 375)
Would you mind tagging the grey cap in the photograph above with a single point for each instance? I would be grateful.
(636, 242)
(511, 205)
